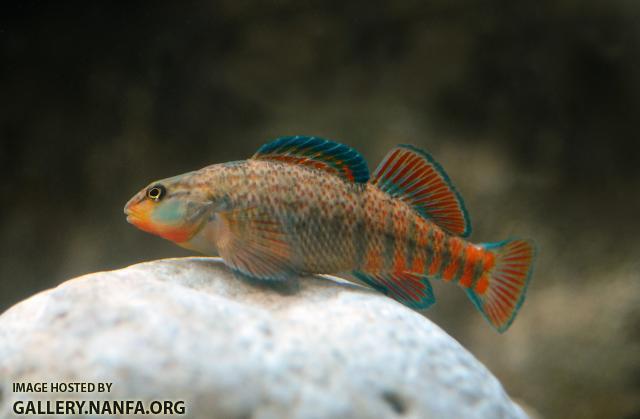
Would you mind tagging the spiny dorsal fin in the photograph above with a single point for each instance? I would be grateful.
(332, 157)
(415, 177)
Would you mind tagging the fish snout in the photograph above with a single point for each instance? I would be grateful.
(133, 209)
(128, 211)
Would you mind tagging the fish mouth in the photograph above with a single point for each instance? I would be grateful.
(130, 214)
(140, 220)
(133, 216)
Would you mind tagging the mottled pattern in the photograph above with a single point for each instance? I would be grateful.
(334, 226)
(303, 205)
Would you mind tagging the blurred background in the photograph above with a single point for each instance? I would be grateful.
(532, 108)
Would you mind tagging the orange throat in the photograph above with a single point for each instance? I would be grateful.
(139, 215)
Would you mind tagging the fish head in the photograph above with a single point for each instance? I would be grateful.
(175, 208)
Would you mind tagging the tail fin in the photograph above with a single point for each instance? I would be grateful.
(501, 293)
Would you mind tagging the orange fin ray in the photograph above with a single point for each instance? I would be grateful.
(410, 289)
(412, 175)
(501, 292)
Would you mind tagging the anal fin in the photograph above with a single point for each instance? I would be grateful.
(410, 289)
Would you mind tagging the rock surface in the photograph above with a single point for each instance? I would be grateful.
(188, 329)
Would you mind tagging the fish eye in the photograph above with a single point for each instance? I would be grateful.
(156, 192)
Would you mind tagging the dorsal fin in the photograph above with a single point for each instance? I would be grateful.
(412, 175)
(332, 157)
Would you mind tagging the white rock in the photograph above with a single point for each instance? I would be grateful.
(188, 329)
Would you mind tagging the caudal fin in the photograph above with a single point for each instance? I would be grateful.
(500, 294)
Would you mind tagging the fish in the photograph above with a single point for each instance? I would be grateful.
(304, 205)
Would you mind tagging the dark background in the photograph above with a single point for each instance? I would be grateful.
(532, 108)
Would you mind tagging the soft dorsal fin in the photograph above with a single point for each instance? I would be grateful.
(332, 157)
(415, 177)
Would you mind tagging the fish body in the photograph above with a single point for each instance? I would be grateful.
(304, 205)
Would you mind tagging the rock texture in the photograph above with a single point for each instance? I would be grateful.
(188, 329)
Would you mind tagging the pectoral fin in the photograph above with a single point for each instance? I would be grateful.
(255, 244)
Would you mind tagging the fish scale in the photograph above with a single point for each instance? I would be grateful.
(305, 205)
